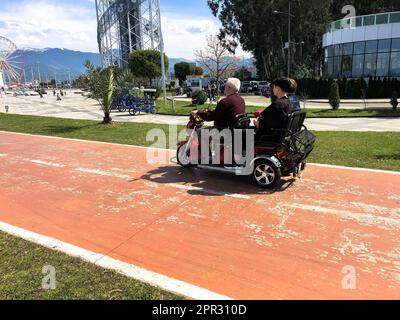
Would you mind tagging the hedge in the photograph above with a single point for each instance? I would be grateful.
(376, 88)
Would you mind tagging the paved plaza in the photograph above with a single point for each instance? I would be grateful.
(77, 107)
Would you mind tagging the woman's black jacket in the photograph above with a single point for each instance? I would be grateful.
(274, 118)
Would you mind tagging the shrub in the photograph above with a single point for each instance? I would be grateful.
(199, 97)
(159, 91)
(394, 100)
(376, 88)
(334, 97)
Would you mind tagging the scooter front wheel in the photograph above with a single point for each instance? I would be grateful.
(183, 156)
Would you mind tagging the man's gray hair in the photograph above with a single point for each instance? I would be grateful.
(234, 84)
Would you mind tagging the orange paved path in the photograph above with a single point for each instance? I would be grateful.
(212, 230)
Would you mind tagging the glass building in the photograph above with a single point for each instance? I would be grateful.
(364, 46)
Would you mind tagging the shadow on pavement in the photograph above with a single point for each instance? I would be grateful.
(210, 183)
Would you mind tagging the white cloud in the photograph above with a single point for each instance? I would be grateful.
(183, 36)
(47, 23)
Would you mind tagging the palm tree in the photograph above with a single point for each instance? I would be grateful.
(100, 84)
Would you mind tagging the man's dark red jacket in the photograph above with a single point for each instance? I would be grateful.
(227, 109)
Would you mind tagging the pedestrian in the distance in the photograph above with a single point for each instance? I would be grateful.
(213, 92)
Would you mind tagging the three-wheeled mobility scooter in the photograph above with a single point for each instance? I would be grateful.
(273, 159)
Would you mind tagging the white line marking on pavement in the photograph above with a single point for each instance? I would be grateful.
(172, 150)
(81, 140)
(209, 191)
(50, 164)
(353, 168)
(104, 173)
(131, 271)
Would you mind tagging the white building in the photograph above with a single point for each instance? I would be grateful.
(363, 46)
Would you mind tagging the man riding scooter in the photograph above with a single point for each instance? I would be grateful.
(227, 110)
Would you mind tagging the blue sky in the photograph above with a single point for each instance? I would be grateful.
(72, 24)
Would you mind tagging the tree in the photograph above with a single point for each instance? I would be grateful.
(146, 64)
(182, 70)
(196, 71)
(216, 59)
(100, 84)
(243, 74)
(334, 97)
(254, 25)
(124, 83)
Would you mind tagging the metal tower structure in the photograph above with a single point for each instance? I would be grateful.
(125, 26)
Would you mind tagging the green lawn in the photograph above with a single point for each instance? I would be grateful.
(123, 133)
(183, 108)
(21, 264)
(344, 113)
(378, 150)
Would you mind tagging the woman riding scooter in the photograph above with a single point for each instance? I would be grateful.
(275, 115)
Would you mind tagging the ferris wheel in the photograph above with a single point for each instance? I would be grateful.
(11, 65)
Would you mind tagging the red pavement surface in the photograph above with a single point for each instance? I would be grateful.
(212, 230)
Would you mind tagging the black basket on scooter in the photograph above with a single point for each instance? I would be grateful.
(298, 146)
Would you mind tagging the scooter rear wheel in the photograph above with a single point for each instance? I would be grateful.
(134, 112)
(266, 174)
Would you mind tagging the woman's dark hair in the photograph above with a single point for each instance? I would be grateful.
(286, 84)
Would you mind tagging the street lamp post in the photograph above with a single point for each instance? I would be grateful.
(289, 14)
(24, 78)
(33, 77)
(69, 77)
(162, 56)
(40, 76)
(55, 79)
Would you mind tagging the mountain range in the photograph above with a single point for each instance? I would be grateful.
(51, 62)
(55, 62)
